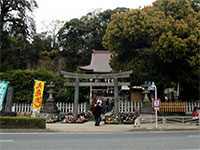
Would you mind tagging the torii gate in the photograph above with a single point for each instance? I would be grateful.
(114, 76)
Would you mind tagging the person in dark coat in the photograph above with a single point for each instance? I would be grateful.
(108, 106)
(97, 113)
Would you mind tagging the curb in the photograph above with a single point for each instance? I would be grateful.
(51, 130)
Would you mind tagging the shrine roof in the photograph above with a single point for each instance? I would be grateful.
(99, 62)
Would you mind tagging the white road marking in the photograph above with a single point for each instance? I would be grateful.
(6, 141)
(194, 136)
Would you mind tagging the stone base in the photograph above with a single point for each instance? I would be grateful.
(146, 108)
(50, 107)
(49, 114)
(52, 115)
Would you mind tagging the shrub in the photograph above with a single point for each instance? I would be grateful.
(23, 122)
(23, 81)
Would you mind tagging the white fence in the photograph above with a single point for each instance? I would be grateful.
(21, 107)
(124, 107)
(63, 107)
(190, 106)
(69, 107)
(128, 107)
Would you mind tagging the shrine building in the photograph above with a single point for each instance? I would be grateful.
(99, 63)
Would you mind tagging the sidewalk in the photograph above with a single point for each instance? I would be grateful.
(89, 127)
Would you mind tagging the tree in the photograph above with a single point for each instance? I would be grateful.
(49, 60)
(178, 47)
(159, 43)
(13, 57)
(15, 17)
(79, 37)
(16, 29)
(51, 32)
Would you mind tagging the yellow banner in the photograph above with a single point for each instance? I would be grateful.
(38, 93)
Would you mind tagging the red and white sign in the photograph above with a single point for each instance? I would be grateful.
(156, 103)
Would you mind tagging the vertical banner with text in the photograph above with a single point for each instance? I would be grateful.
(37, 96)
(3, 89)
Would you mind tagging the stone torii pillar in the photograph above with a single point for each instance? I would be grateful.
(76, 98)
(116, 96)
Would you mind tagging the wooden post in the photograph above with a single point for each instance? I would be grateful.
(116, 91)
(76, 98)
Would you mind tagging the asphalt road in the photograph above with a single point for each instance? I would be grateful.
(101, 140)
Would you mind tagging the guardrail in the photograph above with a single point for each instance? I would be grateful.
(170, 119)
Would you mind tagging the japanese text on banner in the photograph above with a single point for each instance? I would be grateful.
(38, 93)
(3, 89)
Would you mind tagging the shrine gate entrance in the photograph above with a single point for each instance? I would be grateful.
(77, 84)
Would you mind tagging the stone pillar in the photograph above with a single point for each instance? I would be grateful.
(116, 92)
(76, 98)
(9, 99)
(8, 105)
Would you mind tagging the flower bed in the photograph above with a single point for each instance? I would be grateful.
(51, 119)
(70, 119)
(123, 118)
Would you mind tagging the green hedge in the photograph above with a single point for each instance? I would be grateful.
(22, 123)
(23, 82)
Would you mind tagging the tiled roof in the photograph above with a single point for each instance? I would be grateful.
(99, 62)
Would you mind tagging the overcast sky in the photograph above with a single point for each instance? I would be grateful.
(66, 10)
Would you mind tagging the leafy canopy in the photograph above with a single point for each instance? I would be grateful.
(159, 43)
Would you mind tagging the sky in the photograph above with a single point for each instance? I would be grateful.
(65, 10)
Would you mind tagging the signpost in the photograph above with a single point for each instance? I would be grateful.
(156, 106)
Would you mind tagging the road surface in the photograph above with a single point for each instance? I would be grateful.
(101, 140)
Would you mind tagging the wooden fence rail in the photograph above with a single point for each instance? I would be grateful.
(173, 107)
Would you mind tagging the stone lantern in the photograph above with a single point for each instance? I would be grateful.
(50, 105)
(145, 92)
(146, 103)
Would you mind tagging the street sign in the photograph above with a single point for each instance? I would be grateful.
(156, 103)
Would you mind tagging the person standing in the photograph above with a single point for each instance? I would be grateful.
(195, 113)
(137, 116)
(97, 113)
(107, 105)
